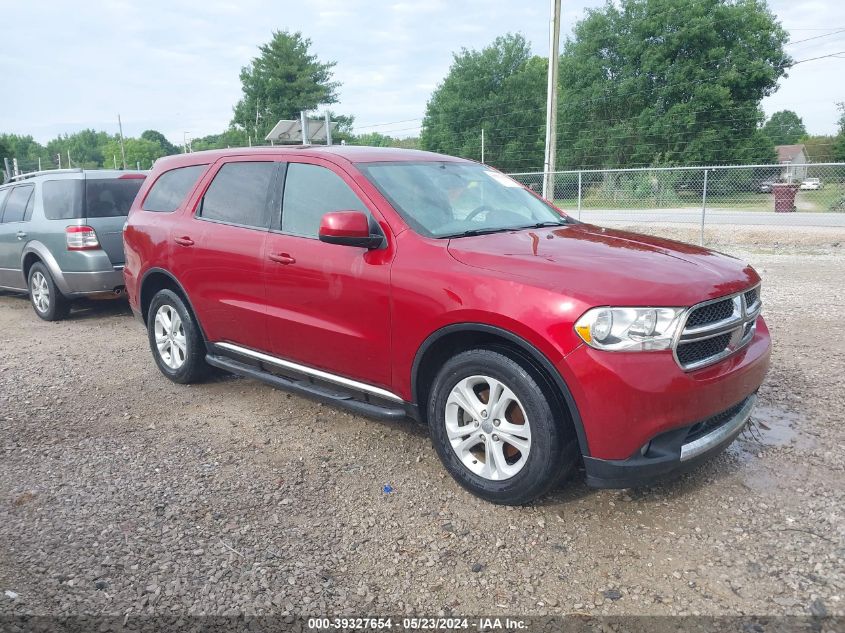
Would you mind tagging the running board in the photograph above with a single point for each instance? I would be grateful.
(318, 392)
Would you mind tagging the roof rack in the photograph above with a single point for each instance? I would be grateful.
(32, 174)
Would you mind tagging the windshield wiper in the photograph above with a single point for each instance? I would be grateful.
(540, 225)
(473, 232)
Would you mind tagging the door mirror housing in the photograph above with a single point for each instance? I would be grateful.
(349, 228)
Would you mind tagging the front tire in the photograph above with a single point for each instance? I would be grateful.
(495, 430)
(175, 339)
(46, 298)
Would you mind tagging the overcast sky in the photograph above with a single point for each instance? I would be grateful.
(173, 65)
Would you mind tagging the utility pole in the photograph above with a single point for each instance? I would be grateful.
(122, 149)
(551, 102)
(328, 129)
(68, 160)
(482, 145)
(59, 158)
(303, 122)
(39, 163)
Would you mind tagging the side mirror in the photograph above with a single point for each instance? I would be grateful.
(348, 228)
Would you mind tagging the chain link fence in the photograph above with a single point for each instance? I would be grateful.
(725, 199)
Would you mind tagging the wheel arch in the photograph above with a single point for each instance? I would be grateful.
(458, 337)
(156, 279)
(37, 252)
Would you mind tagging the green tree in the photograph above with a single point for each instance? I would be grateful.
(157, 137)
(138, 151)
(283, 80)
(85, 148)
(27, 150)
(229, 138)
(373, 139)
(644, 82)
(500, 89)
(785, 128)
(839, 143)
(820, 148)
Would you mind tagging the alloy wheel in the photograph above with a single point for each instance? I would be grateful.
(488, 428)
(40, 292)
(170, 337)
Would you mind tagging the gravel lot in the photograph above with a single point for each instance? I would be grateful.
(123, 493)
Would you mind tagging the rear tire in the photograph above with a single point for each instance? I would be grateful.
(175, 339)
(496, 431)
(47, 300)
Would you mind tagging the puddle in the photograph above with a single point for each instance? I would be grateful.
(774, 427)
(769, 427)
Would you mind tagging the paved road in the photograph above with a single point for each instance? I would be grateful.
(715, 216)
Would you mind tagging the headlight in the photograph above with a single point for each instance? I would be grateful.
(629, 329)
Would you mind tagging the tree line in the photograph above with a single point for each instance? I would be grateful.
(641, 83)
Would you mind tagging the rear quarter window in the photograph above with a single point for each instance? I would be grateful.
(62, 199)
(171, 189)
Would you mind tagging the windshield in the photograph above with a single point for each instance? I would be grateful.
(449, 199)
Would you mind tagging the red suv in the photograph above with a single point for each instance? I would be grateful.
(404, 283)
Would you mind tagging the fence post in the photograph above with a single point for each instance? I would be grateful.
(579, 194)
(703, 207)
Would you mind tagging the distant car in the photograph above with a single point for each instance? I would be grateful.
(810, 184)
(61, 235)
(766, 187)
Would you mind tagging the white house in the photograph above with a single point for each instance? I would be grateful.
(794, 160)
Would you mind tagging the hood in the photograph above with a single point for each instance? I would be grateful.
(607, 267)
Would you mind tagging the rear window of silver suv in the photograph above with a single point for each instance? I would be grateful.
(74, 199)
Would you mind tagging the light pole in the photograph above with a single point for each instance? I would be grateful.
(551, 102)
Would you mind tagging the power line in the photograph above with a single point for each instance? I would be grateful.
(816, 37)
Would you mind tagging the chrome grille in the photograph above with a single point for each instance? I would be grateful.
(699, 350)
(715, 329)
(711, 313)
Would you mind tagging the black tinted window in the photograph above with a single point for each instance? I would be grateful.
(62, 199)
(110, 197)
(16, 204)
(170, 189)
(311, 192)
(238, 194)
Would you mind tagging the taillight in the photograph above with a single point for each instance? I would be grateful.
(81, 238)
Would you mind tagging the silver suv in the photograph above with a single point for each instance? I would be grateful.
(61, 235)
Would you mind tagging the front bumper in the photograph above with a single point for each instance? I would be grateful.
(626, 399)
(673, 452)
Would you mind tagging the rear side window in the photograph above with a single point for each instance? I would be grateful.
(311, 192)
(171, 188)
(239, 194)
(17, 203)
(62, 199)
(110, 197)
(3, 194)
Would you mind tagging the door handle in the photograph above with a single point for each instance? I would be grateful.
(282, 258)
(20, 235)
(184, 241)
